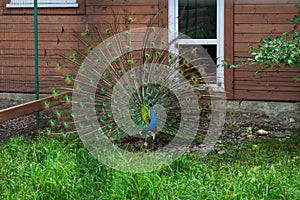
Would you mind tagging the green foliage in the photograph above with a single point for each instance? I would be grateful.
(272, 52)
(61, 168)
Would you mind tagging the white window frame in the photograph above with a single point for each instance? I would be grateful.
(43, 4)
(173, 24)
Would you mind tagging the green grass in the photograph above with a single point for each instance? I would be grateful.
(61, 168)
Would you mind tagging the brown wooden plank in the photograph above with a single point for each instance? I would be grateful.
(265, 76)
(76, 19)
(121, 19)
(295, 85)
(44, 19)
(16, 53)
(68, 45)
(29, 79)
(272, 2)
(42, 44)
(57, 28)
(27, 70)
(242, 47)
(22, 86)
(28, 37)
(228, 47)
(283, 68)
(11, 79)
(163, 14)
(262, 28)
(30, 107)
(48, 28)
(28, 45)
(48, 62)
(121, 2)
(254, 68)
(242, 55)
(27, 89)
(267, 86)
(54, 37)
(123, 10)
(44, 53)
(268, 95)
(26, 62)
(262, 18)
(275, 8)
(251, 38)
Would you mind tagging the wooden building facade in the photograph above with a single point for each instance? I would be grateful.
(240, 22)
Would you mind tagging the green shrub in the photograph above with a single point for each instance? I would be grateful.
(273, 52)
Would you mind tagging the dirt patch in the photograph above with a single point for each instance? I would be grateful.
(239, 127)
(24, 126)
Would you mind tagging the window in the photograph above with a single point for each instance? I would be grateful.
(42, 3)
(202, 21)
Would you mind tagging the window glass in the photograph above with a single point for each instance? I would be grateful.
(198, 18)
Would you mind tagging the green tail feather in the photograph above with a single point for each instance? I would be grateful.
(170, 69)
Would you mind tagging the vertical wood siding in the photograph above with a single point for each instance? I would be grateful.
(56, 35)
(251, 20)
(254, 19)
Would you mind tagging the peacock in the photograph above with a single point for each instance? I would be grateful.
(138, 89)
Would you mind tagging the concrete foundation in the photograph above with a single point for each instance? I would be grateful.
(12, 99)
(18, 98)
(272, 109)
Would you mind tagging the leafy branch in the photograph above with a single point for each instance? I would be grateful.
(274, 52)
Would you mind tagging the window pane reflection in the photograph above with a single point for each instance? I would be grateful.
(198, 18)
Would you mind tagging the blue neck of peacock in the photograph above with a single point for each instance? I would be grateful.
(152, 125)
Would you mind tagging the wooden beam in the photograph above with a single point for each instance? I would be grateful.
(31, 107)
(228, 47)
(163, 13)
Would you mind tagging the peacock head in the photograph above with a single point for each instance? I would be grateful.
(152, 103)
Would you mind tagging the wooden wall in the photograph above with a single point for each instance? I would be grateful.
(252, 20)
(56, 36)
(17, 45)
(245, 22)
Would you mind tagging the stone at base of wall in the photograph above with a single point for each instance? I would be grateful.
(18, 97)
(272, 109)
(12, 99)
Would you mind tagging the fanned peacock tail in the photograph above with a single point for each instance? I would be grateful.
(125, 84)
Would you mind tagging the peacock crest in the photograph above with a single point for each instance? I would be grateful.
(124, 86)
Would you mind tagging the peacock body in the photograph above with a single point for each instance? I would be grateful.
(123, 86)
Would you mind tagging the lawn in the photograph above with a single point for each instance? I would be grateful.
(61, 168)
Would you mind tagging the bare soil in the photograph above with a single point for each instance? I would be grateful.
(239, 127)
